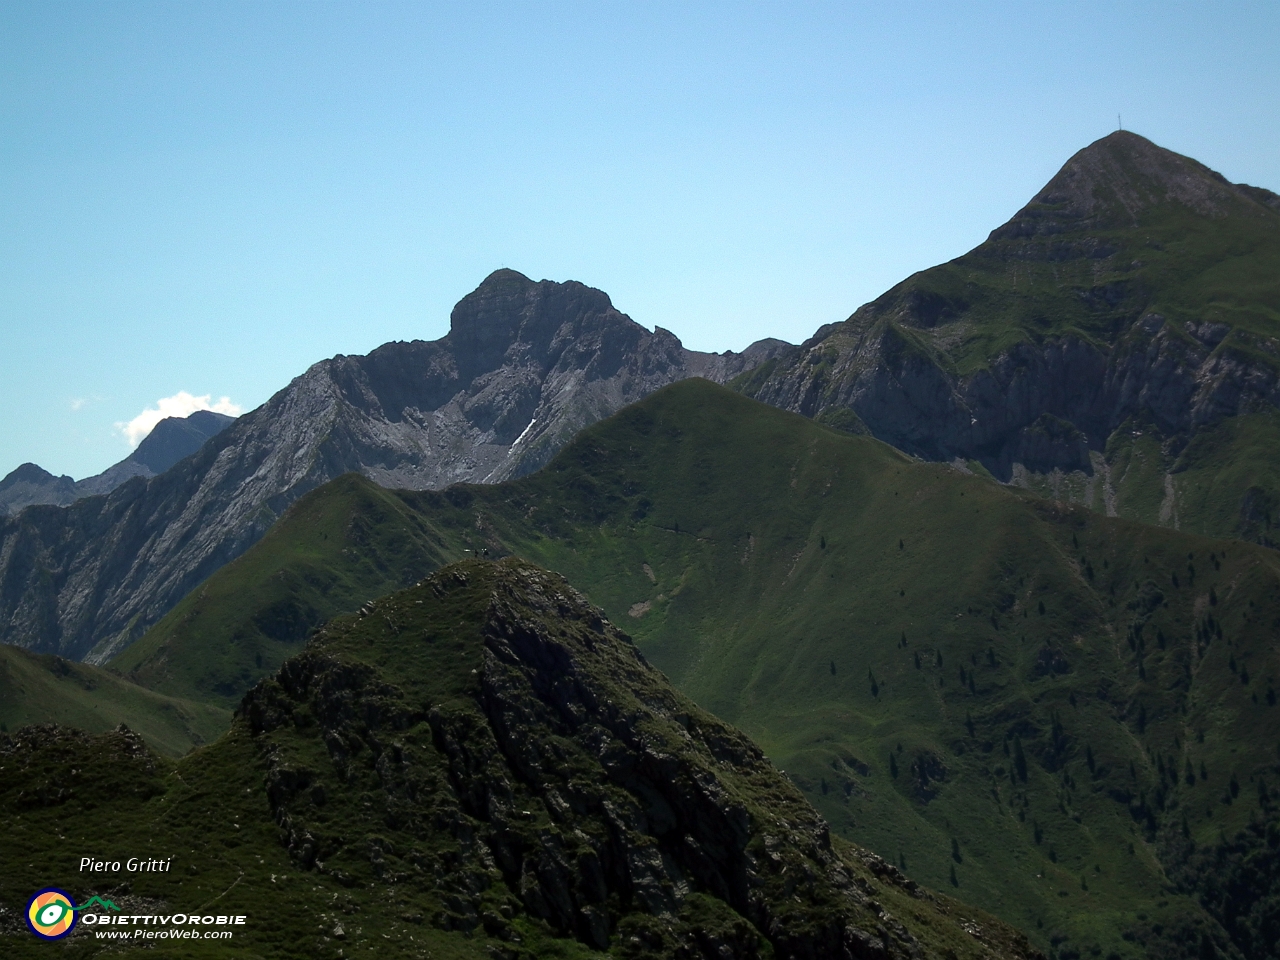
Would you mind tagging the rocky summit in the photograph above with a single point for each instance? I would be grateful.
(481, 765)
(1120, 331)
(523, 368)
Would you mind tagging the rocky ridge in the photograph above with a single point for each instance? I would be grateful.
(524, 367)
(1100, 306)
(479, 766)
(554, 773)
(172, 439)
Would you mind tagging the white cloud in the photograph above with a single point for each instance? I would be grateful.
(79, 403)
(181, 404)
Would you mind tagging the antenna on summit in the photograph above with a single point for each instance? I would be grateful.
(1119, 125)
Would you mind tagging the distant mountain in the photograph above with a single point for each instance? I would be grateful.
(480, 766)
(524, 367)
(1116, 343)
(1070, 720)
(30, 484)
(172, 439)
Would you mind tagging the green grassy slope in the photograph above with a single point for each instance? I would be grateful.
(66, 795)
(1124, 231)
(1221, 266)
(895, 634)
(37, 688)
(329, 553)
(1225, 481)
(479, 767)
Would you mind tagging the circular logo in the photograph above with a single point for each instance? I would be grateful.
(51, 914)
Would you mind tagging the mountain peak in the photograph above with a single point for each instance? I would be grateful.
(1114, 181)
(508, 306)
(176, 437)
(535, 747)
(29, 473)
(501, 283)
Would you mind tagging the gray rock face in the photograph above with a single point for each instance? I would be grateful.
(31, 483)
(172, 439)
(1034, 347)
(1044, 406)
(524, 367)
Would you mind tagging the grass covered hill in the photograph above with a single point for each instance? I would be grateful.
(1067, 719)
(1116, 343)
(42, 688)
(479, 766)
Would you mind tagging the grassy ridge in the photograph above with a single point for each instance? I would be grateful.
(330, 553)
(40, 688)
(1172, 261)
(895, 634)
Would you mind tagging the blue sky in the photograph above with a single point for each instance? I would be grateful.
(208, 197)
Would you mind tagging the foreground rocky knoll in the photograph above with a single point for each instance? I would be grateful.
(1123, 327)
(524, 367)
(481, 764)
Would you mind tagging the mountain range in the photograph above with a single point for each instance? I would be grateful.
(1115, 344)
(524, 366)
(1057, 714)
(988, 569)
(169, 441)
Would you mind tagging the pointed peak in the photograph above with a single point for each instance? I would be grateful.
(174, 438)
(30, 473)
(1116, 179)
(491, 312)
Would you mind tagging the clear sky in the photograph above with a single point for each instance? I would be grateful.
(206, 198)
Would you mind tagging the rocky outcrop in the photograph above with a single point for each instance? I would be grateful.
(524, 367)
(557, 774)
(1095, 305)
(172, 439)
(1042, 405)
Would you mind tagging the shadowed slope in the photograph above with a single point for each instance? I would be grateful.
(41, 688)
(895, 634)
(172, 439)
(486, 753)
